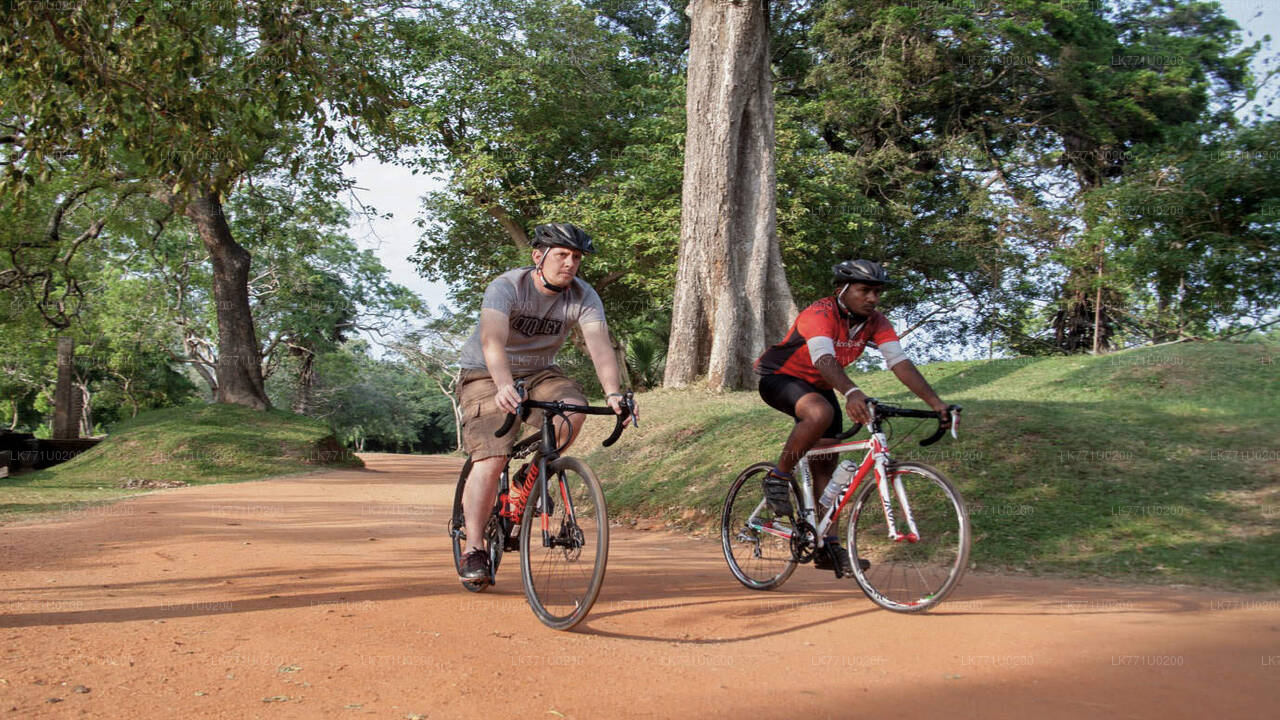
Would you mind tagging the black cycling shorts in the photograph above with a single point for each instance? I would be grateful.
(782, 392)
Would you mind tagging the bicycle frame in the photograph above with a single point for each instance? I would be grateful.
(876, 460)
(546, 452)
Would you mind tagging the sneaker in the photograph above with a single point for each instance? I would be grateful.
(777, 492)
(475, 566)
(833, 548)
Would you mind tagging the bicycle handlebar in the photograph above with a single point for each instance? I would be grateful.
(559, 408)
(879, 410)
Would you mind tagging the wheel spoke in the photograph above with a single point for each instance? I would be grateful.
(910, 576)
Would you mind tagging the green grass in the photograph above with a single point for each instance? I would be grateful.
(1160, 464)
(192, 445)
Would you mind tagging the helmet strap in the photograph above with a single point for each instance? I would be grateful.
(840, 299)
(853, 316)
(541, 275)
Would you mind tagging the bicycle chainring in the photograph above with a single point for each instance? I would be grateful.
(804, 542)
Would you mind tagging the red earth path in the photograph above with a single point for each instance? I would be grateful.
(333, 595)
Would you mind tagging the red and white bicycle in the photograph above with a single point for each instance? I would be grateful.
(905, 565)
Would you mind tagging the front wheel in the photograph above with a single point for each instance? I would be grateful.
(564, 547)
(757, 544)
(907, 576)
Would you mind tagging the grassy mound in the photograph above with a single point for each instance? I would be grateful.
(1159, 464)
(189, 445)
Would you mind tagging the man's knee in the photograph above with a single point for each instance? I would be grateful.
(814, 412)
(487, 469)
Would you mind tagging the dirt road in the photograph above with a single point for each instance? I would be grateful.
(333, 595)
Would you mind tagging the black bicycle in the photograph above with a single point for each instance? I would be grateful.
(562, 562)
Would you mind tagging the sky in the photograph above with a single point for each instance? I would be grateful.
(391, 188)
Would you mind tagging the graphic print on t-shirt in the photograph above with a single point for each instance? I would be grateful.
(530, 325)
(537, 323)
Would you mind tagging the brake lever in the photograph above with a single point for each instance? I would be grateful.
(955, 421)
(634, 409)
(521, 411)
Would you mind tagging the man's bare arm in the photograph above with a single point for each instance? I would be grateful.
(915, 382)
(855, 402)
(494, 327)
(600, 349)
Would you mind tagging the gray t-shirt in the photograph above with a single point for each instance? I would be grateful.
(539, 323)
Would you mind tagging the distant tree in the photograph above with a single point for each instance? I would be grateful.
(191, 98)
(378, 402)
(433, 350)
(1195, 234)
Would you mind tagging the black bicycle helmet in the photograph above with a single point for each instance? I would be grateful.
(860, 271)
(565, 235)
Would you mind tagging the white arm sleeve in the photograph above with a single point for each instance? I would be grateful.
(892, 352)
(819, 346)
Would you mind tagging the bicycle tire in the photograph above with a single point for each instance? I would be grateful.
(904, 576)
(744, 497)
(561, 583)
(458, 535)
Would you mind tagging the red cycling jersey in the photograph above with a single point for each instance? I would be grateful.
(823, 319)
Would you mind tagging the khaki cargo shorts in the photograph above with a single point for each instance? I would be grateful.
(481, 417)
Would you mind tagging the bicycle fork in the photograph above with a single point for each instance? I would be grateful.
(882, 485)
(567, 536)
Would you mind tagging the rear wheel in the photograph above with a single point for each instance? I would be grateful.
(907, 576)
(756, 543)
(563, 575)
(458, 534)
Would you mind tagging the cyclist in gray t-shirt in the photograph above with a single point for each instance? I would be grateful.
(524, 320)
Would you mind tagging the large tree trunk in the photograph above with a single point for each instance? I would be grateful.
(239, 364)
(65, 414)
(731, 294)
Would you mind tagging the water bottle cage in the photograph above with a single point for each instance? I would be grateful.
(839, 482)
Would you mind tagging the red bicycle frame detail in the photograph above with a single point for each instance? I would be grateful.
(867, 466)
(513, 509)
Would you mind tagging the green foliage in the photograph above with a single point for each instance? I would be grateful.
(183, 102)
(647, 354)
(195, 444)
(311, 287)
(941, 140)
(376, 404)
(540, 113)
(964, 128)
(1194, 233)
(194, 95)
